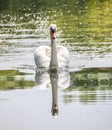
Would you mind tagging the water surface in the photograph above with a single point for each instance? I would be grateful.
(84, 93)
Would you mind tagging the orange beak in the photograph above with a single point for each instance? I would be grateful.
(53, 35)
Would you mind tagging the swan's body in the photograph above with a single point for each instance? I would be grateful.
(43, 56)
(54, 56)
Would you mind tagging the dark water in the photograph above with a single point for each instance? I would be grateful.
(84, 94)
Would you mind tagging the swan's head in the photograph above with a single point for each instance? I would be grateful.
(53, 29)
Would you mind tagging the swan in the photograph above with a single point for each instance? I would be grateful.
(54, 56)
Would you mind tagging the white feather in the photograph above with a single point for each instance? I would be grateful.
(42, 56)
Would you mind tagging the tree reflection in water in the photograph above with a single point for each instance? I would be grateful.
(90, 86)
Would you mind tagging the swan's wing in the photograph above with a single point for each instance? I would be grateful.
(42, 56)
(63, 56)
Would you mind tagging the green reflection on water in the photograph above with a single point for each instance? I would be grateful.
(90, 86)
(77, 20)
(92, 79)
(87, 85)
(13, 79)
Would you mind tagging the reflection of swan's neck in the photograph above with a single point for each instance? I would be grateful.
(53, 62)
(54, 83)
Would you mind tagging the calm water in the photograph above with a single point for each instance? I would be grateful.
(84, 94)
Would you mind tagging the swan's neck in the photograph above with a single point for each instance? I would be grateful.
(53, 61)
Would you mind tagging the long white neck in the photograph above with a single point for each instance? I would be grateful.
(53, 61)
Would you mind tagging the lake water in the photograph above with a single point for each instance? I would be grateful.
(84, 93)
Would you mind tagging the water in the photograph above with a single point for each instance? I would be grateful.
(84, 94)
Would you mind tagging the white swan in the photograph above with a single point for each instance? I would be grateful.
(54, 56)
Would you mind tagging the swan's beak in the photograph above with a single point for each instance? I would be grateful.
(53, 35)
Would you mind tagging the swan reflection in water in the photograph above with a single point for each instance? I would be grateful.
(55, 81)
